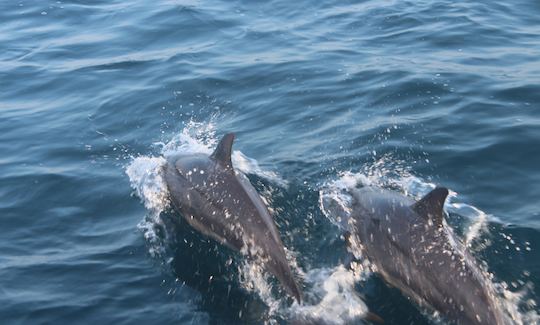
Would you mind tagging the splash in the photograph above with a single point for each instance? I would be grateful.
(146, 178)
(254, 279)
(145, 175)
(335, 200)
(199, 137)
(251, 166)
(512, 300)
(331, 297)
(337, 300)
(195, 137)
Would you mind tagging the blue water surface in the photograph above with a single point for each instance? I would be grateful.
(447, 90)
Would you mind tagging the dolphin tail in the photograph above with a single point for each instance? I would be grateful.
(374, 318)
(281, 269)
(294, 289)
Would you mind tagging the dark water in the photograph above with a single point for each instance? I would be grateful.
(406, 93)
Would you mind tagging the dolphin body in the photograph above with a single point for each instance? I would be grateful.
(414, 251)
(222, 204)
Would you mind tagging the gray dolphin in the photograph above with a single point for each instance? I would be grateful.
(222, 204)
(415, 252)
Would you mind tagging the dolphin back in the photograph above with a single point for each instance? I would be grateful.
(417, 253)
(221, 203)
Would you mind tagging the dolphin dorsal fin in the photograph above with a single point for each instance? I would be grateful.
(223, 151)
(431, 205)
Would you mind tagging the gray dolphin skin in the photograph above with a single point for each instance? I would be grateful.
(222, 204)
(414, 251)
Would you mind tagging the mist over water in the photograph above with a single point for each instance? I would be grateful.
(323, 97)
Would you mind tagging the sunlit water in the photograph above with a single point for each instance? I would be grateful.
(323, 96)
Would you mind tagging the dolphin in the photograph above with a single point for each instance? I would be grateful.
(222, 204)
(414, 251)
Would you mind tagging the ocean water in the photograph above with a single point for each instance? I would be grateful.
(324, 96)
